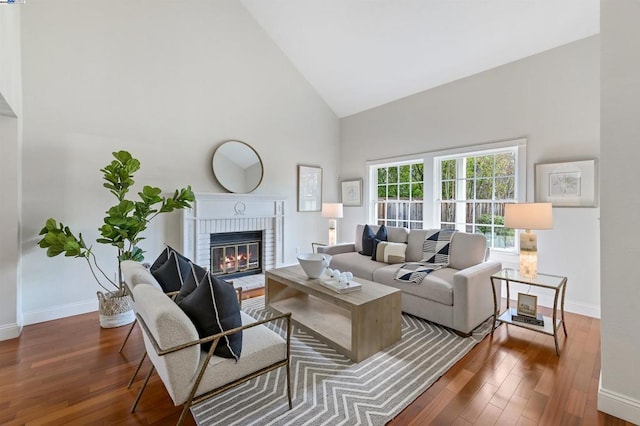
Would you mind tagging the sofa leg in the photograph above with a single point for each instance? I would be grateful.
(461, 334)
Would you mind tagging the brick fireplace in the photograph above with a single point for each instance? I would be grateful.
(213, 214)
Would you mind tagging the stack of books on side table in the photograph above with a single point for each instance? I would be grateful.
(539, 320)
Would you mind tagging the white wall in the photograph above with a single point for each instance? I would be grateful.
(552, 99)
(168, 82)
(10, 167)
(10, 87)
(619, 392)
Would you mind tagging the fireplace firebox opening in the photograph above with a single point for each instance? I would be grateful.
(236, 254)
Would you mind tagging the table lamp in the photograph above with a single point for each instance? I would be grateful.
(332, 211)
(528, 216)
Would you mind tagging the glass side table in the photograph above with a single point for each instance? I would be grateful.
(553, 282)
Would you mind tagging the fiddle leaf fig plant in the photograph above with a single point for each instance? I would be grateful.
(123, 223)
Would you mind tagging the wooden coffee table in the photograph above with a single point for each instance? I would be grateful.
(357, 324)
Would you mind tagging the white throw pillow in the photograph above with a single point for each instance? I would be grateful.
(391, 252)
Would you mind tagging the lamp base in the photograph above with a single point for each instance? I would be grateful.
(528, 254)
(332, 232)
(528, 264)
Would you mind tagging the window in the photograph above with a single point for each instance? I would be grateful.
(474, 188)
(462, 188)
(399, 193)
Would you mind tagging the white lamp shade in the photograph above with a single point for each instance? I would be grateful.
(332, 210)
(528, 216)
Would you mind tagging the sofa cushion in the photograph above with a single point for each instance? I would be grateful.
(213, 307)
(394, 234)
(369, 239)
(360, 266)
(390, 252)
(261, 348)
(467, 250)
(437, 286)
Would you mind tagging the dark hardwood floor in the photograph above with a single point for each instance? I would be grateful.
(70, 372)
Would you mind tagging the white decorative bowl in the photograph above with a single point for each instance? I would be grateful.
(314, 264)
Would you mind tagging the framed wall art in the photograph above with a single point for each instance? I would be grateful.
(352, 192)
(568, 184)
(309, 188)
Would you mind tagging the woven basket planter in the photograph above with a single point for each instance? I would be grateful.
(116, 309)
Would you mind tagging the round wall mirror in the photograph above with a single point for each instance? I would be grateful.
(237, 166)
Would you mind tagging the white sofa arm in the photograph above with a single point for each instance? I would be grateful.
(337, 249)
(472, 295)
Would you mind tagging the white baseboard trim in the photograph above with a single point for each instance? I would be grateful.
(618, 405)
(10, 331)
(592, 311)
(61, 311)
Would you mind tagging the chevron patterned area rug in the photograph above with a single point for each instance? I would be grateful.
(329, 389)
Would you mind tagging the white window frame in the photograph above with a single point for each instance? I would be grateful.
(373, 193)
(460, 219)
(431, 211)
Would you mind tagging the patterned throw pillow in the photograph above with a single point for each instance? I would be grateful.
(435, 248)
(391, 252)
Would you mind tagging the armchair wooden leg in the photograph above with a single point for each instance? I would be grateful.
(133, 324)
(144, 385)
(135, 373)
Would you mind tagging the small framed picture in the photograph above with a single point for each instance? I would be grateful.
(527, 305)
(352, 192)
(568, 184)
(309, 188)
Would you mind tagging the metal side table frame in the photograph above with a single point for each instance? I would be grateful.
(553, 282)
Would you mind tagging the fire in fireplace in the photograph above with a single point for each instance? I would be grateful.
(234, 254)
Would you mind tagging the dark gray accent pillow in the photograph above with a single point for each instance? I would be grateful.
(368, 238)
(170, 269)
(213, 308)
(171, 274)
(164, 256)
(194, 276)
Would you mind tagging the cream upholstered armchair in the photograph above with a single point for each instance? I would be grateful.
(192, 375)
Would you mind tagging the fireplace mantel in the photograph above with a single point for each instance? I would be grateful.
(214, 213)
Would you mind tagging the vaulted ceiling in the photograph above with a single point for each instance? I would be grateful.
(359, 54)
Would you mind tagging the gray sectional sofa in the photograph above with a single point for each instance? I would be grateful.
(458, 296)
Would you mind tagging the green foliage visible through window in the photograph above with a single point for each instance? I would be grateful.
(400, 191)
(474, 190)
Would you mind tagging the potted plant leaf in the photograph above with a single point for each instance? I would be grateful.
(122, 228)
